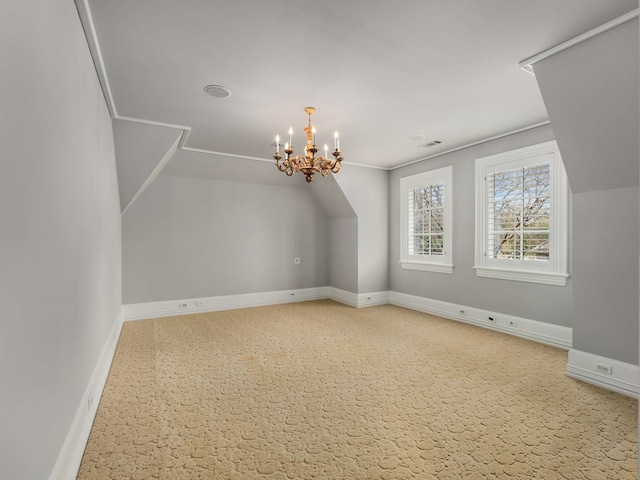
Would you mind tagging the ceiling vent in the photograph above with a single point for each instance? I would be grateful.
(431, 144)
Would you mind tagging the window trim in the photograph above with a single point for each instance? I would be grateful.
(556, 271)
(431, 263)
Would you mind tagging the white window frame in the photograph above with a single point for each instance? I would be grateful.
(554, 271)
(429, 263)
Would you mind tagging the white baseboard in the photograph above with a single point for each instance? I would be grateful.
(531, 329)
(374, 298)
(343, 296)
(140, 311)
(582, 365)
(622, 379)
(70, 456)
(358, 300)
(542, 332)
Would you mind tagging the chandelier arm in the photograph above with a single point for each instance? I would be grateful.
(280, 166)
(330, 163)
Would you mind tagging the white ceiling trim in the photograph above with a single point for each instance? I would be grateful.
(484, 140)
(223, 154)
(386, 169)
(86, 20)
(156, 171)
(183, 137)
(153, 122)
(527, 65)
(270, 160)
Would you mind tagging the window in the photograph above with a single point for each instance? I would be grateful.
(426, 218)
(522, 215)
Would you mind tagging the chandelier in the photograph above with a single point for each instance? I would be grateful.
(308, 163)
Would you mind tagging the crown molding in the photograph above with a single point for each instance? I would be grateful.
(473, 144)
(527, 65)
(86, 20)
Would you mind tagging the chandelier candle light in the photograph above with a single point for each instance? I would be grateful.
(308, 163)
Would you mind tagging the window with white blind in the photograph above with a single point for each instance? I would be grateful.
(426, 219)
(522, 215)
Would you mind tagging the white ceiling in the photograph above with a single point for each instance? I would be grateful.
(376, 71)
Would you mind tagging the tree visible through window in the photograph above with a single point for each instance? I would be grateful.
(426, 214)
(522, 216)
(519, 206)
(426, 220)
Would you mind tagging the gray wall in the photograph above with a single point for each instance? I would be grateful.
(367, 190)
(591, 94)
(343, 233)
(190, 238)
(60, 239)
(605, 305)
(551, 304)
(343, 258)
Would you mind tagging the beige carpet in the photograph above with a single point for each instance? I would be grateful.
(319, 390)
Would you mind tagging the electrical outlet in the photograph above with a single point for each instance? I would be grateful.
(199, 303)
(296, 261)
(603, 368)
(463, 312)
(183, 304)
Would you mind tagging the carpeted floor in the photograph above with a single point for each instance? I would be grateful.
(319, 390)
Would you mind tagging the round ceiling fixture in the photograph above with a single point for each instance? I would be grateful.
(416, 137)
(217, 91)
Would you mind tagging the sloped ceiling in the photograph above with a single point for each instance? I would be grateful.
(591, 93)
(332, 198)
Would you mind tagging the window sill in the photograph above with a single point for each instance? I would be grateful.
(546, 278)
(427, 267)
